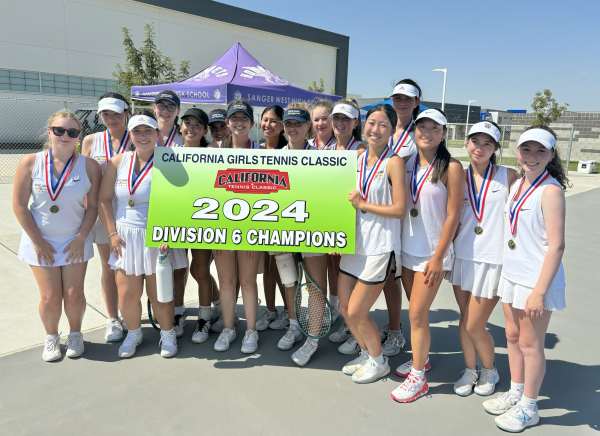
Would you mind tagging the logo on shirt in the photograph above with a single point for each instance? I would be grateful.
(252, 181)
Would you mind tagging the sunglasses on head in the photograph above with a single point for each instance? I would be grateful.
(59, 131)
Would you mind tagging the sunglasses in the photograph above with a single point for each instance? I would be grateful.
(59, 131)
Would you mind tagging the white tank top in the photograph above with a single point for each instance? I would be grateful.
(488, 246)
(98, 152)
(320, 146)
(178, 140)
(421, 234)
(136, 216)
(67, 221)
(408, 148)
(523, 265)
(376, 234)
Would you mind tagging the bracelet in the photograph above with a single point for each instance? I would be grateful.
(112, 234)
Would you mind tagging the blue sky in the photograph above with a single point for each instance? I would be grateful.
(497, 52)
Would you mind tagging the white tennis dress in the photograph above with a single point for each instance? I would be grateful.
(478, 258)
(58, 229)
(421, 234)
(523, 265)
(131, 222)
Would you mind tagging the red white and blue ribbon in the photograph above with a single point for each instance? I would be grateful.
(326, 146)
(134, 181)
(417, 185)
(513, 214)
(366, 180)
(108, 144)
(306, 146)
(55, 188)
(396, 148)
(349, 146)
(478, 200)
(171, 137)
(253, 145)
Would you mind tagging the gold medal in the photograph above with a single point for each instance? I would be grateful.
(414, 213)
(512, 245)
(131, 203)
(54, 208)
(478, 230)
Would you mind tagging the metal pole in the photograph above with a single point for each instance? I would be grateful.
(467, 125)
(444, 90)
(502, 143)
(569, 152)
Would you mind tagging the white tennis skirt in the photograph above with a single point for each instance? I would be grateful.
(417, 263)
(479, 278)
(98, 233)
(137, 259)
(516, 295)
(370, 270)
(27, 250)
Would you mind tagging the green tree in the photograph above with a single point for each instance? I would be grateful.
(147, 65)
(317, 88)
(546, 108)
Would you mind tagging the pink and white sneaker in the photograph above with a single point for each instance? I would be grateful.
(411, 389)
(404, 369)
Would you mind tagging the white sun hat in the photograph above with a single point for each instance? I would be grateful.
(485, 127)
(112, 104)
(405, 89)
(141, 120)
(542, 136)
(434, 115)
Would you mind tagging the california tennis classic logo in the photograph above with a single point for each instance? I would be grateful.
(243, 181)
(205, 74)
(237, 95)
(217, 94)
(260, 71)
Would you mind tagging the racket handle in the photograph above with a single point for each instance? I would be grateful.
(287, 269)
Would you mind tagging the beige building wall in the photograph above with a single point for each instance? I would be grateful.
(84, 38)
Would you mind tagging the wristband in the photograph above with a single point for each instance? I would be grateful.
(112, 234)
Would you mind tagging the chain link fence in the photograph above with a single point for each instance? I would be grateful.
(507, 154)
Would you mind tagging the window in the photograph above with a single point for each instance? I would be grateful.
(13, 80)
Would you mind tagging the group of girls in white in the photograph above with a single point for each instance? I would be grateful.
(493, 232)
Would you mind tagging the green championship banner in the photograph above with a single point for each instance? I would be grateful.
(259, 200)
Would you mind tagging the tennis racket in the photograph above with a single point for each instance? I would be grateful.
(311, 306)
(151, 317)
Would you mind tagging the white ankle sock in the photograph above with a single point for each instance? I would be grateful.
(528, 403)
(138, 330)
(179, 310)
(379, 359)
(334, 300)
(418, 374)
(294, 322)
(517, 388)
(204, 313)
(216, 303)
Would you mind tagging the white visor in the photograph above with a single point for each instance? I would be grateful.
(346, 109)
(141, 120)
(538, 135)
(112, 104)
(485, 127)
(405, 89)
(434, 115)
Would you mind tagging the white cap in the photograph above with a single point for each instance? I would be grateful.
(542, 136)
(434, 115)
(485, 127)
(405, 89)
(112, 104)
(141, 120)
(346, 109)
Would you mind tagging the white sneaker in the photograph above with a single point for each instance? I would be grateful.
(201, 331)
(250, 341)
(394, 343)
(335, 314)
(517, 418)
(282, 321)
(113, 331)
(51, 348)
(354, 365)
(305, 352)
(127, 349)
(371, 371)
(74, 344)
(487, 382)
(500, 405)
(168, 343)
(225, 338)
(464, 385)
(383, 331)
(179, 324)
(342, 333)
(350, 346)
(265, 318)
(292, 335)
(405, 369)
(410, 390)
(125, 328)
(218, 326)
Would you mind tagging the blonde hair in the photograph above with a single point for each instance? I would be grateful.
(301, 105)
(357, 131)
(64, 113)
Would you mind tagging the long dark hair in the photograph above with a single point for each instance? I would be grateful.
(493, 156)
(442, 161)
(278, 111)
(227, 142)
(416, 110)
(555, 166)
(388, 110)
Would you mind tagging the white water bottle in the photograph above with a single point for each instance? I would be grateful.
(164, 278)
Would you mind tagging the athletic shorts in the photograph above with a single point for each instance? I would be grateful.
(369, 270)
(417, 263)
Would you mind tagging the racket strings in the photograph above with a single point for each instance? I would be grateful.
(312, 311)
